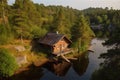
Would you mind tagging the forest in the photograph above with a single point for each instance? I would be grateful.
(25, 20)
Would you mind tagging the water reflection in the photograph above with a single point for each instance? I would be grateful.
(61, 68)
(81, 64)
(58, 68)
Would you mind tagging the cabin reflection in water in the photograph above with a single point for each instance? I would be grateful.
(61, 68)
(58, 68)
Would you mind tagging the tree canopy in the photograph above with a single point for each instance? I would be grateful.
(28, 20)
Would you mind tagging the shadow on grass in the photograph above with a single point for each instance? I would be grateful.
(39, 48)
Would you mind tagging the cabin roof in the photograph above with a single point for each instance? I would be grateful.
(52, 38)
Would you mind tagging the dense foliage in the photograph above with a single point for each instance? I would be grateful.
(27, 20)
(110, 68)
(103, 19)
(81, 34)
(8, 63)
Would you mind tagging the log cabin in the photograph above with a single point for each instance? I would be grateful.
(57, 43)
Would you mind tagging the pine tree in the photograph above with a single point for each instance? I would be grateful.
(25, 18)
(5, 29)
(81, 33)
(61, 24)
(3, 6)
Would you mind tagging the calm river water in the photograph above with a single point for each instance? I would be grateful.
(80, 69)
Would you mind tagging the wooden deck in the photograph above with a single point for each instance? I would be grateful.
(65, 58)
(66, 51)
(91, 49)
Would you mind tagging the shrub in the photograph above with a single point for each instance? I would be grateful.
(8, 64)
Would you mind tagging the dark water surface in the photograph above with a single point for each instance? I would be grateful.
(80, 69)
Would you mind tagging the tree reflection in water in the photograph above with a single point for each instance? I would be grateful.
(80, 66)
